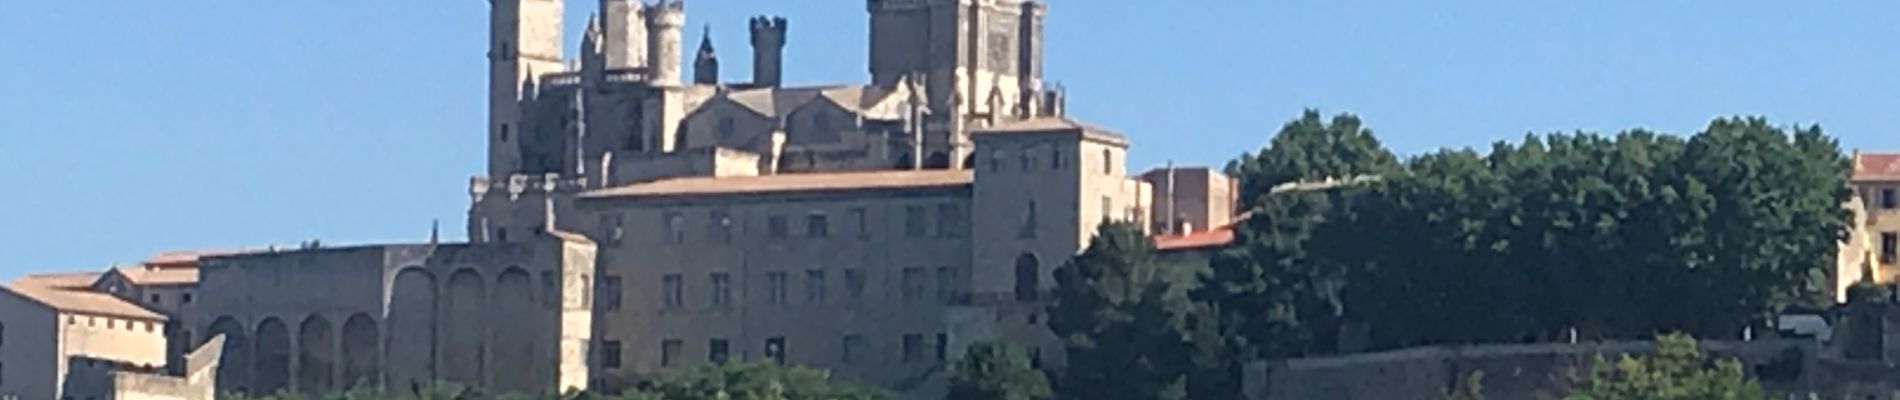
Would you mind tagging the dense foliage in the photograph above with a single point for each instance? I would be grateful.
(1676, 371)
(732, 381)
(1121, 318)
(996, 370)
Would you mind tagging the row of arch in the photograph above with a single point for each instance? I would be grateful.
(433, 333)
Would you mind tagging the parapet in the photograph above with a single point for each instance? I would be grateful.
(516, 185)
(636, 167)
(768, 31)
(666, 13)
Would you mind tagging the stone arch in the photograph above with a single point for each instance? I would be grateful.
(1028, 277)
(316, 355)
(273, 356)
(359, 351)
(410, 349)
(514, 341)
(234, 370)
(465, 331)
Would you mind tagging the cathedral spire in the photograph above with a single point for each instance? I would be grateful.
(706, 63)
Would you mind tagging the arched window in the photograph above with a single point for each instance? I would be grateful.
(1028, 277)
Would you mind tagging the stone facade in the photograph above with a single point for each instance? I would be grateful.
(1873, 241)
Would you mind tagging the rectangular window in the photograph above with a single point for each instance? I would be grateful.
(914, 221)
(155, 299)
(610, 292)
(913, 285)
(610, 228)
(721, 289)
(550, 290)
(610, 354)
(943, 347)
(778, 227)
(720, 226)
(1108, 209)
(815, 286)
(675, 227)
(854, 283)
(1055, 159)
(859, 218)
(913, 347)
(775, 287)
(946, 284)
(670, 352)
(717, 351)
(1888, 199)
(672, 287)
(775, 349)
(848, 351)
(949, 221)
(816, 226)
(1026, 229)
(1889, 247)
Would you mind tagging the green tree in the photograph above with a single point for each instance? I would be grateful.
(995, 370)
(1471, 389)
(1676, 371)
(1120, 319)
(756, 381)
(1311, 147)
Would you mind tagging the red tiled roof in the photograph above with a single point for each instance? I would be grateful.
(57, 291)
(1877, 167)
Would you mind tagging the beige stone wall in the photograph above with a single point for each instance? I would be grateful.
(1202, 199)
(629, 167)
(692, 239)
(30, 349)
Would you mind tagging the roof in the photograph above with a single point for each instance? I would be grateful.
(1197, 240)
(148, 276)
(783, 183)
(570, 236)
(1884, 167)
(57, 291)
(776, 102)
(1053, 124)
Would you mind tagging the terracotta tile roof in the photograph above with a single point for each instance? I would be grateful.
(783, 183)
(1877, 167)
(57, 292)
(148, 275)
(1197, 240)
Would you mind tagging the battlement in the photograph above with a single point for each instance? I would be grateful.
(479, 187)
(768, 31)
(666, 13)
(616, 75)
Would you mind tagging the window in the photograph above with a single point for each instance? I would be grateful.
(155, 299)
(185, 299)
(854, 283)
(675, 227)
(501, 235)
(778, 227)
(996, 160)
(148, 327)
(721, 226)
(610, 292)
(848, 351)
(1055, 157)
(587, 296)
(775, 287)
(914, 221)
(1108, 209)
(913, 284)
(550, 290)
(113, 323)
(1035, 358)
(816, 226)
(610, 354)
(610, 228)
(504, 132)
(864, 226)
(1888, 199)
(815, 286)
(943, 347)
(673, 289)
(722, 289)
(1028, 277)
(717, 351)
(913, 347)
(775, 349)
(1108, 162)
(670, 352)
(946, 284)
(949, 221)
(1025, 160)
(1027, 230)
(1889, 247)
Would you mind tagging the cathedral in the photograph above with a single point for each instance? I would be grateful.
(632, 223)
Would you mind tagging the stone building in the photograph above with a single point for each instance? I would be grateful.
(1873, 242)
(73, 335)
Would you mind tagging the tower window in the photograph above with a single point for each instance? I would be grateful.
(1108, 162)
(504, 132)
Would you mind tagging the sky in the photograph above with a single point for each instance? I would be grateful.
(133, 127)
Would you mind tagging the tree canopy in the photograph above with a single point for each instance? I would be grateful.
(996, 370)
(1676, 371)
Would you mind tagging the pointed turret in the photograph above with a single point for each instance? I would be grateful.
(706, 62)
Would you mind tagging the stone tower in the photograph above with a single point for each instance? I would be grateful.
(664, 22)
(706, 61)
(768, 51)
(524, 43)
(978, 59)
(624, 33)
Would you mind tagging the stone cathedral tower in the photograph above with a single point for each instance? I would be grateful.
(978, 60)
(524, 44)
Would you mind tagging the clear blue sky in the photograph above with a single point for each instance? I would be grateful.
(132, 127)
